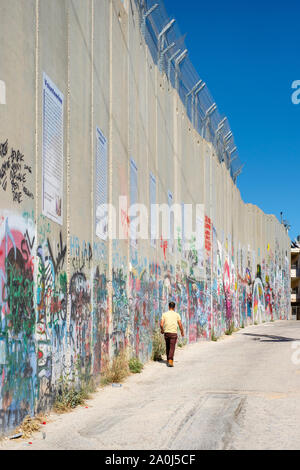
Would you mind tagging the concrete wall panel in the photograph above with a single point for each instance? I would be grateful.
(69, 300)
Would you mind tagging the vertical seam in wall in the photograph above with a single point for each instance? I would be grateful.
(176, 196)
(93, 159)
(157, 192)
(68, 185)
(36, 109)
(148, 244)
(110, 273)
(211, 210)
(128, 248)
(35, 272)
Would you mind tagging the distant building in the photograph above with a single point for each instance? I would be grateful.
(295, 279)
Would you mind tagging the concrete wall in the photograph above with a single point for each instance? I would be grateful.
(69, 300)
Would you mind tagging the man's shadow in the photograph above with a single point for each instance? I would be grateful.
(270, 338)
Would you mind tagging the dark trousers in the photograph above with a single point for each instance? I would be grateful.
(171, 340)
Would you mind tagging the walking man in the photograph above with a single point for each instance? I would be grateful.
(168, 326)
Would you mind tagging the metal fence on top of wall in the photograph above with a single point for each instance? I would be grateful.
(168, 50)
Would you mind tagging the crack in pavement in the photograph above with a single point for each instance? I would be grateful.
(241, 394)
(209, 425)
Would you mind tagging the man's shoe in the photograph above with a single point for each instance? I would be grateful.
(171, 363)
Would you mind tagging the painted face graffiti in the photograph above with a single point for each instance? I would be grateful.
(17, 351)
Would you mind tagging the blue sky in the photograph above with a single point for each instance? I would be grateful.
(248, 53)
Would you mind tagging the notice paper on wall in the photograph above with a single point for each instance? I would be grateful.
(2, 92)
(101, 186)
(200, 237)
(133, 201)
(53, 129)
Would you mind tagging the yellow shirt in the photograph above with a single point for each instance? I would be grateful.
(170, 321)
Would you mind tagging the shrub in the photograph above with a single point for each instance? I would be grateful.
(213, 336)
(116, 371)
(135, 365)
(69, 397)
(230, 330)
(30, 425)
(158, 345)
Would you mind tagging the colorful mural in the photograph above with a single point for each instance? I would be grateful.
(61, 315)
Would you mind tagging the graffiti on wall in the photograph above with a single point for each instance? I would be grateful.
(53, 326)
(258, 301)
(51, 320)
(14, 172)
(17, 327)
(49, 328)
(80, 325)
(120, 311)
(100, 332)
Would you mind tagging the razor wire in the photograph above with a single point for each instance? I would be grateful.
(167, 47)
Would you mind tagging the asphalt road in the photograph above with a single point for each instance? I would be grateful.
(242, 392)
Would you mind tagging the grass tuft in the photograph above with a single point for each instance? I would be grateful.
(135, 365)
(230, 330)
(158, 345)
(182, 342)
(117, 370)
(30, 425)
(213, 336)
(69, 398)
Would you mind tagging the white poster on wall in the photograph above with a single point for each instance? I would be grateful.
(53, 129)
(133, 201)
(171, 223)
(2, 92)
(200, 237)
(101, 186)
(153, 211)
